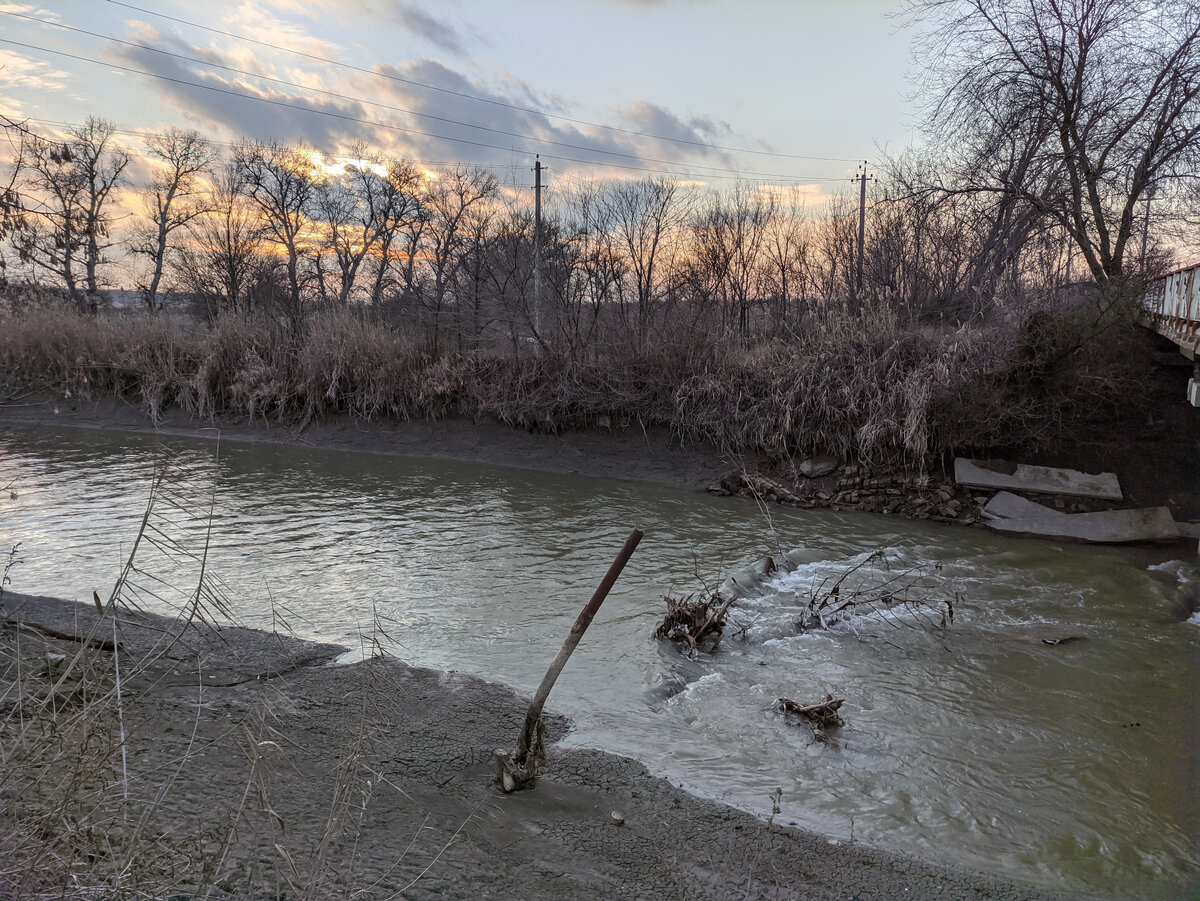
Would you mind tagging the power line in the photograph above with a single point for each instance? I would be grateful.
(397, 128)
(385, 106)
(144, 133)
(477, 99)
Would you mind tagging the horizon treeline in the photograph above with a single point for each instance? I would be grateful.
(451, 254)
(1061, 141)
(1001, 264)
(380, 289)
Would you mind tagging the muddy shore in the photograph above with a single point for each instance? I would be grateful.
(650, 455)
(254, 763)
(1158, 468)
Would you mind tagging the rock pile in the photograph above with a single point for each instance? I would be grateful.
(857, 487)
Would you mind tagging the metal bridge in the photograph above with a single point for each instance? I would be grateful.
(1172, 306)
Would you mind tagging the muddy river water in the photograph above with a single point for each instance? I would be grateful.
(1074, 766)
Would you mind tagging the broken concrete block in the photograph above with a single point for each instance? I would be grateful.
(815, 467)
(1039, 479)
(1006, 505)
(1189, 529)
(1106, 527)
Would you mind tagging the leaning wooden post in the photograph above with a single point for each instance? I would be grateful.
(520, 769)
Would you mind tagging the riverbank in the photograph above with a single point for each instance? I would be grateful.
(889, 402)
(252, 766)
(648, 455)
(1156, 468)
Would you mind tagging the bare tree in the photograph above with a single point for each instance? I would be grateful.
(645, 216)
(71, 185)
(730, 233)
(476, 270)
(834, 251)
(347, 227)
(450, 198)
(280, 182)
(226, 246)
(785, 253)
(172, 200)
(596, 268)
(393, 200)
(13, 214)
(1074, 108)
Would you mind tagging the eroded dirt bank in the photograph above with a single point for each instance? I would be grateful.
(258, 770)
(1157, 467)
(650, 455)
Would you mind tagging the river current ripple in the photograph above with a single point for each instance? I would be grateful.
(1074, 767)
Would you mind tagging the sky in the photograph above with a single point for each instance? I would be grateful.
(778, 92)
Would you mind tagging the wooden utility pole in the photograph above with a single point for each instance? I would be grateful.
(537, 247)
(862, 179)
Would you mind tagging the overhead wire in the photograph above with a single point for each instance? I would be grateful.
(398, 128)
(408, 81)
(144, 133)
(385, 106)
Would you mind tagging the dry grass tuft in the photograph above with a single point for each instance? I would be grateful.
(104, 796)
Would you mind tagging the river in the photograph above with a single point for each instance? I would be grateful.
(1074, 767)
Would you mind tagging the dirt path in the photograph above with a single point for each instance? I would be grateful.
(254, 768)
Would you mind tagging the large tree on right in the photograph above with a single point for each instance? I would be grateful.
(1077, 111)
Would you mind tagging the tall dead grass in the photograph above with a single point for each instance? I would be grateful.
(860, 385)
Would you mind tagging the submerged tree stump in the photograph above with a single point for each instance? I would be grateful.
(693, 621)
(824, 715)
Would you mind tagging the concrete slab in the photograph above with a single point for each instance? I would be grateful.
(1040, 479)
(1147, 524)
(815, 467)
(1006, 505)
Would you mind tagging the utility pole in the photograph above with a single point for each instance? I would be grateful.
(537, 246)
(1146, 226)
(862, 179)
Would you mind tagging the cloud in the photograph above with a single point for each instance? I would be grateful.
(433, 30)
(512, 114)
(27, 9)
(20, 71)
(498, 120)
(238, 105)
(651, 119)
(408, 15)
(802, 198)
(253, 21)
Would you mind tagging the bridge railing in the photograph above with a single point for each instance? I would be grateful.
(1173, 306)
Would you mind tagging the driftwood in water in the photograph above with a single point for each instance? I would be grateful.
(863, 589)
(758, 486)
(824, 715)
(519, 769)
(693, 622)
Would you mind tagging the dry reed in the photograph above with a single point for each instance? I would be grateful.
(859, 385)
